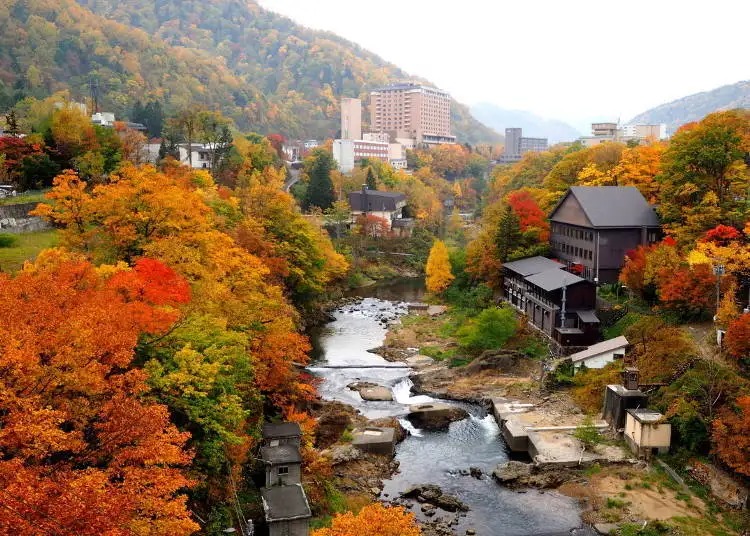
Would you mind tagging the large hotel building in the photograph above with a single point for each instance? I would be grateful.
(412, 111)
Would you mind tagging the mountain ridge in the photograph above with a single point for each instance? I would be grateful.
(266, 72)
(533, 125)
(696, 106)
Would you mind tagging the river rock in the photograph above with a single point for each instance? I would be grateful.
(476, 472)
(419, 361)
(505, 361)
(435, 415)
(606, 528)
(372, 391)
(344, 453)
(512, 470)
(432, 494)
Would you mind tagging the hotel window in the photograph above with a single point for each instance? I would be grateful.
(283, 470)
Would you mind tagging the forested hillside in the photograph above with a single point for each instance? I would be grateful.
(695, 107)
(262, 70)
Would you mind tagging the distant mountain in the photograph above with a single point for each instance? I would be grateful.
(265, 71)
(695, 107)
(533, 126)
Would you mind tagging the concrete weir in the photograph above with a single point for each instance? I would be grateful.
(547, 440)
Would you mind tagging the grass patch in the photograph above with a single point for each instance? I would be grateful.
(32, 196)
(594, 469)
(26, 248)
(619, 327)
(613, 502)
(437, 353)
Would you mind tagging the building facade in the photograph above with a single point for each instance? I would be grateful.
(351, 119)
(386, 205)
(413, 111)
(516, 145)
(612, 132)
(348, 152)
(593, 228)
(558, 303)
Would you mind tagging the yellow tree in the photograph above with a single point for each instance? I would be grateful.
(373, 520)
(438, 268)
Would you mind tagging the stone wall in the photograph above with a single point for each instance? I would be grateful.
(15, 219)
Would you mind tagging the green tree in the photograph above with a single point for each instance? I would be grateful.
(318, 167)
(508, 236)
(372, 183)
(338, 215)
(491, 329)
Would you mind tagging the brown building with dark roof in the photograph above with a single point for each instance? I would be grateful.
(557, 302)
(593, 228)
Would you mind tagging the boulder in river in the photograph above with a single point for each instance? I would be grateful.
(435, 415)
(432, 494)
(512, 470)
(371, 391)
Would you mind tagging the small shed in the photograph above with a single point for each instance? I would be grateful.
(283, 465)
(617, 400)
(287, 510)
(647, 433)
(281, 433)
(600, 354)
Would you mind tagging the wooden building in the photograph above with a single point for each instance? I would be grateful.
(593, 228)
(559, 303)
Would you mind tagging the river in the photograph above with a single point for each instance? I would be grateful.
(441, 458)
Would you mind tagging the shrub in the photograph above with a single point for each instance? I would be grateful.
(587, 433)
(8, 240)
(491, 329)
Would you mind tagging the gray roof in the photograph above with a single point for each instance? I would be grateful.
(531, 265)
(280, 454)
(644, 415)
(284, 503)
(600, 348)
(588, 316)
(376, 200)
(281, 429)
(553, 279)
(612, 206)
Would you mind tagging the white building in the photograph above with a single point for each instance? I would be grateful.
(647, 433)
(201, 155)
(600, 354)
(382, 137)
(104, 119)
(351, 119)
(348, 152)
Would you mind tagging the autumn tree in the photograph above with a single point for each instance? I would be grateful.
(84, 452)
(661, 351)
(704, 176)
(438, 269)
(689, 291)
(375, 520)
(738, 337)
(731, 436)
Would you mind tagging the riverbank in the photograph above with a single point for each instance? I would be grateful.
(617, 494)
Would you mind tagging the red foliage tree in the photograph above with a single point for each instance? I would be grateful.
(731, 436)
(722, 235)
(738, 337)
(530, 215)
(82, 453)
(689, 291)
(372, 225)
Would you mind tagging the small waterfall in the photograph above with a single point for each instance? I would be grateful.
(402, 393)
(487, 424)
(409, 427)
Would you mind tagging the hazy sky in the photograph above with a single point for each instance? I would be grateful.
(572, 60)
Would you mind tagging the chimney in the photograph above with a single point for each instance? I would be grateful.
(630, 378)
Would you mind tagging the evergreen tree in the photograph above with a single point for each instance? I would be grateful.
(11, 124)
(154, 118)
(320, 189)
(372, 183)
(508, 237)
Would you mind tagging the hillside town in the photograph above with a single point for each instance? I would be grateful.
(257, 280)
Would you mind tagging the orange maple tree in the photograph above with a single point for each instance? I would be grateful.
(738, 337)
(731, 436)
(373, 520)
(82, 452)
(530, 215)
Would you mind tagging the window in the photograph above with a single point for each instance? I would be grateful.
(274, 443)
(283, 470)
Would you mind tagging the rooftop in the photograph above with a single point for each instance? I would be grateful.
(407, 86)
(612, 206)
(376, 200)
(600, 348)
(281, 429)
(284, 503)
(532, 265)
(553, 279)
(644, 415)
(281, 454)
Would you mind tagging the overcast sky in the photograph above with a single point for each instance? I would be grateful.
(575, 60)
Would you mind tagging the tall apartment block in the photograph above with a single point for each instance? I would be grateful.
(413, 111)
(351, 119)
(516, 145)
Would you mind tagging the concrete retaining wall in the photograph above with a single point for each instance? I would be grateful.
(15, 219)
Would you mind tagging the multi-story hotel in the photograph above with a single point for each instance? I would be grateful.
(351, 119)
(414, 111)
(516, 145)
